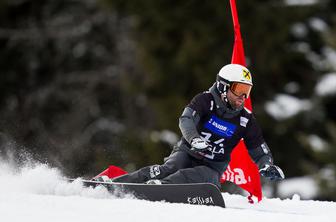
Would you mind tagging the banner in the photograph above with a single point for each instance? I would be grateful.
(242, 170)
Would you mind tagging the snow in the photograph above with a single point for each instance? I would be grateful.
(326, 85)
(317, 143)
(285, 106)
(40, 193)
(306, 187)
(300, 2)
(299, 30)
(330, 57)
(292, 87)
(164, 136)
(318, 24)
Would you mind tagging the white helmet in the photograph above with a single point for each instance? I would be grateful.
(232, 73)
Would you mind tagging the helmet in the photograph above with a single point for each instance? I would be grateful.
(232, 74)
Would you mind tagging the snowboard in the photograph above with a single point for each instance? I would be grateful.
(194, 193)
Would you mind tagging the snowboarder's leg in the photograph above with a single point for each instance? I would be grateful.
(198, 174)
(174, 162)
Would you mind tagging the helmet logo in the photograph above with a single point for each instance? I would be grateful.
(246, 74)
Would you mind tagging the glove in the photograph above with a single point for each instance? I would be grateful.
(199, 144)
(272, 172)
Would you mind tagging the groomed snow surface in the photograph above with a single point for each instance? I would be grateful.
(39, 193)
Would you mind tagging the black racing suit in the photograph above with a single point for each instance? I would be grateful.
(207, 116)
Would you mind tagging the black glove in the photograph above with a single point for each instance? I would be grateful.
(272, 172)
(199, 144)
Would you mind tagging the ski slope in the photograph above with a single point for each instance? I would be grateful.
(38, 193)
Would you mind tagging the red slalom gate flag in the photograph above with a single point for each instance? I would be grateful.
(242, 170)
(111, 172)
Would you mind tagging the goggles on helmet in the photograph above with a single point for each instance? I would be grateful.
(240, 89)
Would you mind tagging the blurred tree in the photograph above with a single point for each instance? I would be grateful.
(66, 72)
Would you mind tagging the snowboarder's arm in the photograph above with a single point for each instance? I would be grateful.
(256, 145)
(188, 122)
(260, 152)
(192, 114)
(261, 155)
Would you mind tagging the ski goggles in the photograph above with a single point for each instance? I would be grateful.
(240, 89)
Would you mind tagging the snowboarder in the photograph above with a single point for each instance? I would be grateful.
(212, 124)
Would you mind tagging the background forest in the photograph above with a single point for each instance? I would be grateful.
(89, 83)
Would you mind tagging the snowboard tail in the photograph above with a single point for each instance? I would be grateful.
(197, 193)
